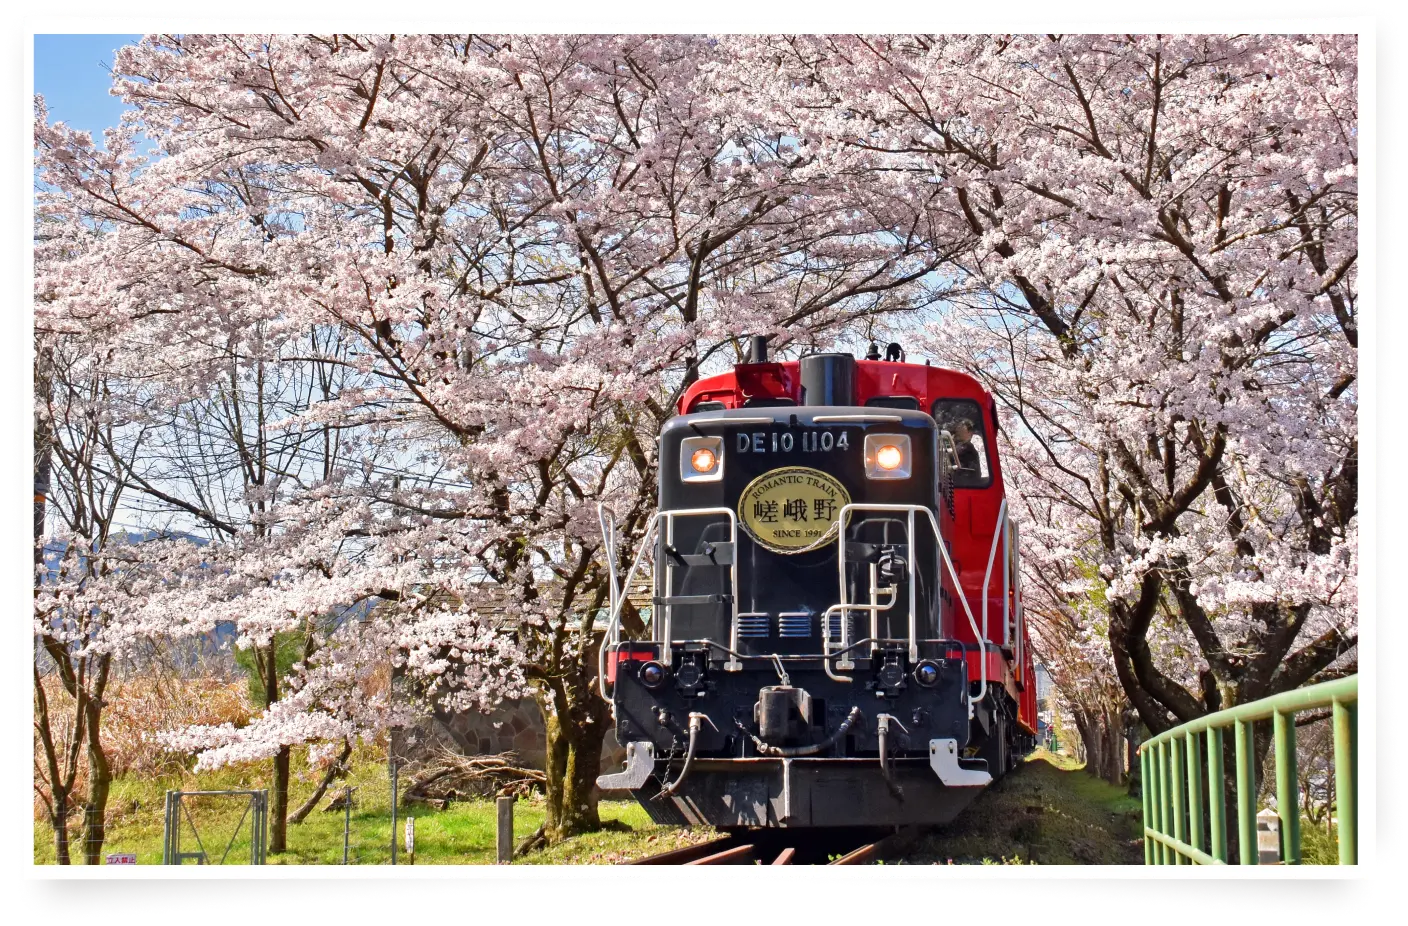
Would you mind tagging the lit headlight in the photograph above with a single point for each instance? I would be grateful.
(887, 456)
(701, 459)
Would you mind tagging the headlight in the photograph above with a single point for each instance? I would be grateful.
(887, 456)
(701, 459)
(927, 673)
(652, 675)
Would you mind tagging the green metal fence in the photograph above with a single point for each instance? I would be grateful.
(1184, 805)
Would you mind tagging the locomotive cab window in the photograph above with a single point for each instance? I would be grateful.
(963, 420)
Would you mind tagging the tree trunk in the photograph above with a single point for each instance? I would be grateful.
(572, 764)
(59, 821)
(99, 772)
(58, 788)
(338, 768)
(1136, 768)
(96, 809)
(1090, 741)
(278, 799)
(1114, 748)
(43, 469)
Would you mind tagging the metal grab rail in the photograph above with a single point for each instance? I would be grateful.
(608, 525)
(620, 593)
(1005, 531)
(606, 519)
(911, 510)
(1174, 783)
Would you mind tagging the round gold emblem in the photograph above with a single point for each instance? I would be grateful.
(792, 509)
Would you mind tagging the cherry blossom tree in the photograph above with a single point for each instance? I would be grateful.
(1068, 617)
(70, 421)
(395, 314)
(523, 248)
(1158, 242)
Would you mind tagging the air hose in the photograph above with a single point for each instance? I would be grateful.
(792, 752)
(882, 727)
(695, 722)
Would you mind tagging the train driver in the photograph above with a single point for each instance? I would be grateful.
(963, 441)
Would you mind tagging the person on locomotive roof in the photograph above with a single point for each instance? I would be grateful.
(963, 442)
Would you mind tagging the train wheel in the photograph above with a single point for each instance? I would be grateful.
(1000, 747)
(993, 749)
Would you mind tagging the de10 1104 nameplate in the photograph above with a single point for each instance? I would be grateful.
(792, 509)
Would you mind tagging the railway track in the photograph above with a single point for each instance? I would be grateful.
(791, 847)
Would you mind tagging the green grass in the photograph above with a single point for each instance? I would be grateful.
(462, 834)
(1318, 847)
(1048, 812)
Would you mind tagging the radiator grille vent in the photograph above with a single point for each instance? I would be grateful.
(834, 627)
(794, 625)
(752, 626)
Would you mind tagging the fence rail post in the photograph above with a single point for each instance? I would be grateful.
(264, 826)
(1287, 787)
(505, 830)
(1192, 757)
(1346, 798)
(1157, 781)
(1175, 774)
(1145, 793)
(1246, 792)
(166, 852)
(346, 822)
(1217, 794)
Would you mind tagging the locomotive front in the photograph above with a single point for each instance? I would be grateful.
(800, 667)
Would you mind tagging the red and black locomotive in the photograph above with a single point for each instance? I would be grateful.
(836, 634)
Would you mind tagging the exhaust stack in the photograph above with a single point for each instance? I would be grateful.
(828, 379)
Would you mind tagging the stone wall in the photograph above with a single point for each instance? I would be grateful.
(515, 726)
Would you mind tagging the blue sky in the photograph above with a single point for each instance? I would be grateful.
(71, 71)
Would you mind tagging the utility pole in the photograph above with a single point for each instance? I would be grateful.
(43, 449)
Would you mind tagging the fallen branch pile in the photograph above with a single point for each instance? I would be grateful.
(449, 776)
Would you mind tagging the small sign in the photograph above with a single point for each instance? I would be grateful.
(411, 835)
(792, 509)
(122, 858)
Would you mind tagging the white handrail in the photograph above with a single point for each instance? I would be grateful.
(606, 519)
(997, 531)
(733, 665)
(875, 608)
(913, 593)
(612, 633)
(843, 606)
(948, 563)
(609, 638)
(1006, 581)
(1017, 605)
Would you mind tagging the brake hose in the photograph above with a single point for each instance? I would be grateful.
(882, 727)
(694, 725)
(792, 752)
